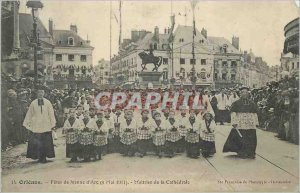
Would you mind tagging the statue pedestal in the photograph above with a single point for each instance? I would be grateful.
(150, 77)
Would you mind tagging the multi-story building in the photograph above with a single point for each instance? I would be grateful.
(72, 64)
(290, 56)
(227, 62)
(102, 73)
(254, 72)
(16, 50)
(210, 52)
(64, 58)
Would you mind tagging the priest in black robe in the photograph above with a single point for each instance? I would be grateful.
(242, 138)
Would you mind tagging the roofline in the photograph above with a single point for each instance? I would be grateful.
(291, 22)
(67, 47)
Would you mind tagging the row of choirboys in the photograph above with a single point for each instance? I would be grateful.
(89, 137)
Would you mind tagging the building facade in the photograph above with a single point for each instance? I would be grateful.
(17, 56)
(72, 64)
(216, 60)
(102, 73)
(290, 55)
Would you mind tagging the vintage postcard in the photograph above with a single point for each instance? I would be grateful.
(150, 96)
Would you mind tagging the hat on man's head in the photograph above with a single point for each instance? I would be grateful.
(244, 87)
(39, 87)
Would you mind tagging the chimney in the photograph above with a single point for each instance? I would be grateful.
(204, 32)
(156, 33)
(236, 42)
(142, 34)
(51, 27)
(134, 35)
(16, 39)
(73, 28)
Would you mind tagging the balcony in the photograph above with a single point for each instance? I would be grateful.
(59, 77)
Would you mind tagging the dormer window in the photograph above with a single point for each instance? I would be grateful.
(224, 48)
(71, 41)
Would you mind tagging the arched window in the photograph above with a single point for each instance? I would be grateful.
(71, 71)
(155, 46)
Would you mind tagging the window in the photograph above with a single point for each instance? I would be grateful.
(224, 64)
(71, 71)
(182, 61)
(165, 74)
(203, 61)
(216, 63)
(71, 41)
(203, 74)
(71, 57)
(165, 60)
(216, 76)
(165, 46)
(182, 73)
(83, 58)
(10, 70)
(201, 41)
(232, 76)
(297, 65)
(58, 57)
(193, 61)
(224, 75)
(181, 40)
(151, 46)
(106, 73)
(59, 42)
(293, 65)
(233, 64)
(224, 48)
(40, 56)
(83, 70)
(155, 46)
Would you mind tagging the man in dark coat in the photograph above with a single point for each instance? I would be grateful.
(242, 138)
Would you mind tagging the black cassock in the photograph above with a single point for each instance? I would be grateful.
(243, 140)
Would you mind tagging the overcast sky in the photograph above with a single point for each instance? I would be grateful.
(259, 24)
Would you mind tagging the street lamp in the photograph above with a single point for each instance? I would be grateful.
(35, 5)
(193, 78)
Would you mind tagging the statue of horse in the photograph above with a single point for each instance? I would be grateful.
(150, 58)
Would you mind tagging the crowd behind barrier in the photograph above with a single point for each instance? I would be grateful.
(278, 106)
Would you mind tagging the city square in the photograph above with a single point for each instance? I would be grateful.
(181, 96)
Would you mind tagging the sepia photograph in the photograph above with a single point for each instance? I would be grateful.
(150, 96)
